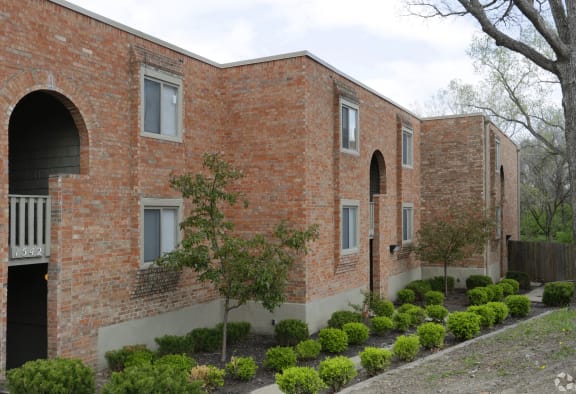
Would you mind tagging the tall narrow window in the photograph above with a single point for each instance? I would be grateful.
(161, 105)
(349, 122)
(497, 155)
(349, 226)
(160, 228)
(407, 223)
(407, 147)
(498, 222)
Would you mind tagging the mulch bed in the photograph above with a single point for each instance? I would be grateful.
(256, 346)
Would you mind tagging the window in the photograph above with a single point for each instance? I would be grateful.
(349, 226)
(498, 222)
(161, 104)
(160, 225)
(497, 155)
(407, 223)
(349, 124)
(407, 146)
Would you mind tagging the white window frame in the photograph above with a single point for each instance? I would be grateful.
(351, 106)
(159, 203)
(497, 154)
(350, 204)
(408, 208)
(408, 158)
(164, 79)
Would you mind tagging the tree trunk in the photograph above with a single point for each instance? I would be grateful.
(225, 329)
(567, 75)
(446, 279)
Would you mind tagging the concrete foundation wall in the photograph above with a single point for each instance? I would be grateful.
(398, 282)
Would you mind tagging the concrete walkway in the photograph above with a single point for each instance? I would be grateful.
(535, 295)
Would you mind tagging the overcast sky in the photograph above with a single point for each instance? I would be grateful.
(406, 59)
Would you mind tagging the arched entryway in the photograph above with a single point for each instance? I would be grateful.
(377, 188)
(43, 141)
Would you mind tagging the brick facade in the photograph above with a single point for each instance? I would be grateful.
(278, 119)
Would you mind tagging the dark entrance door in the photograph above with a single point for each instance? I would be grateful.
(26, 336)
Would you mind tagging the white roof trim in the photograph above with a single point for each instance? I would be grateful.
(187, 53)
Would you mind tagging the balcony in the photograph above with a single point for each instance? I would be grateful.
(30, 219)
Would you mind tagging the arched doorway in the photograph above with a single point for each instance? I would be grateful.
(377, 187)
(43, 141)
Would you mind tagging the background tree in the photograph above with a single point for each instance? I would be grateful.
(453, 235)
(240, 268)
(505, 22)
(545, 212)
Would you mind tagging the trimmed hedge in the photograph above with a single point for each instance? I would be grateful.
(521, 277)
(474, 281)
(558, 293)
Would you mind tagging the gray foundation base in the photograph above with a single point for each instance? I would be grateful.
(398, 282)
(460, 273)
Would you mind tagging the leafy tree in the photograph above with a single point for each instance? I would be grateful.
(453, 235)
(553, 24)
(240, 268)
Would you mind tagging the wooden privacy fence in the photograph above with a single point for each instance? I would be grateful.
(542, 261)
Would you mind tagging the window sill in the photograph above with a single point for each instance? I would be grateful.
(348, 252)
(162, 137)
(350, 151)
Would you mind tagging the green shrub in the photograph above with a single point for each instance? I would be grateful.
(514, 283)
(507, 289)
(406, 348)
(339, 318)
(406, 296)
(175, 344)
(417, 315)
(210, 376)
(401, 321)
(382, 307)
(489, 291)
(486, 313)
(336, 372)
(419, 287)
(116, 359)
(139, 357)
(521, 277)
(290, 332)
(463, 325)
(236, 331)
(241, 368)
(478, 296)
(431, 335)
(357, 333)
(558, 293)
(497, 292)
(308, 349)
(434, 298)
(300, 380)
(180, 362)
(518, 305)
(54, 376)
(206, 339)
(436, 312)
(381, 325)
(280, 357)
(375, 360)
(474, 281)
(151, 379)
(500, 310)
(437, 283)
(404, 308)
(333, 340)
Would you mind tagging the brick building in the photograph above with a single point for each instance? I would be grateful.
(95, 116)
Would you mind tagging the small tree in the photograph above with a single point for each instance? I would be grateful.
(453, 235)
(240, 268)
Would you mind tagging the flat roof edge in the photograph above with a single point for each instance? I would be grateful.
(148, 37)
(128, 29)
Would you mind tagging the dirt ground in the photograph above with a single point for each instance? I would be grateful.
(523, 360)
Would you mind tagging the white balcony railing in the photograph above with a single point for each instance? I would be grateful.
(29, 228)
(371, 220)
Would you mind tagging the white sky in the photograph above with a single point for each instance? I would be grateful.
(407, 59)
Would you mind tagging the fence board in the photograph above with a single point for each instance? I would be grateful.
(542, 261)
